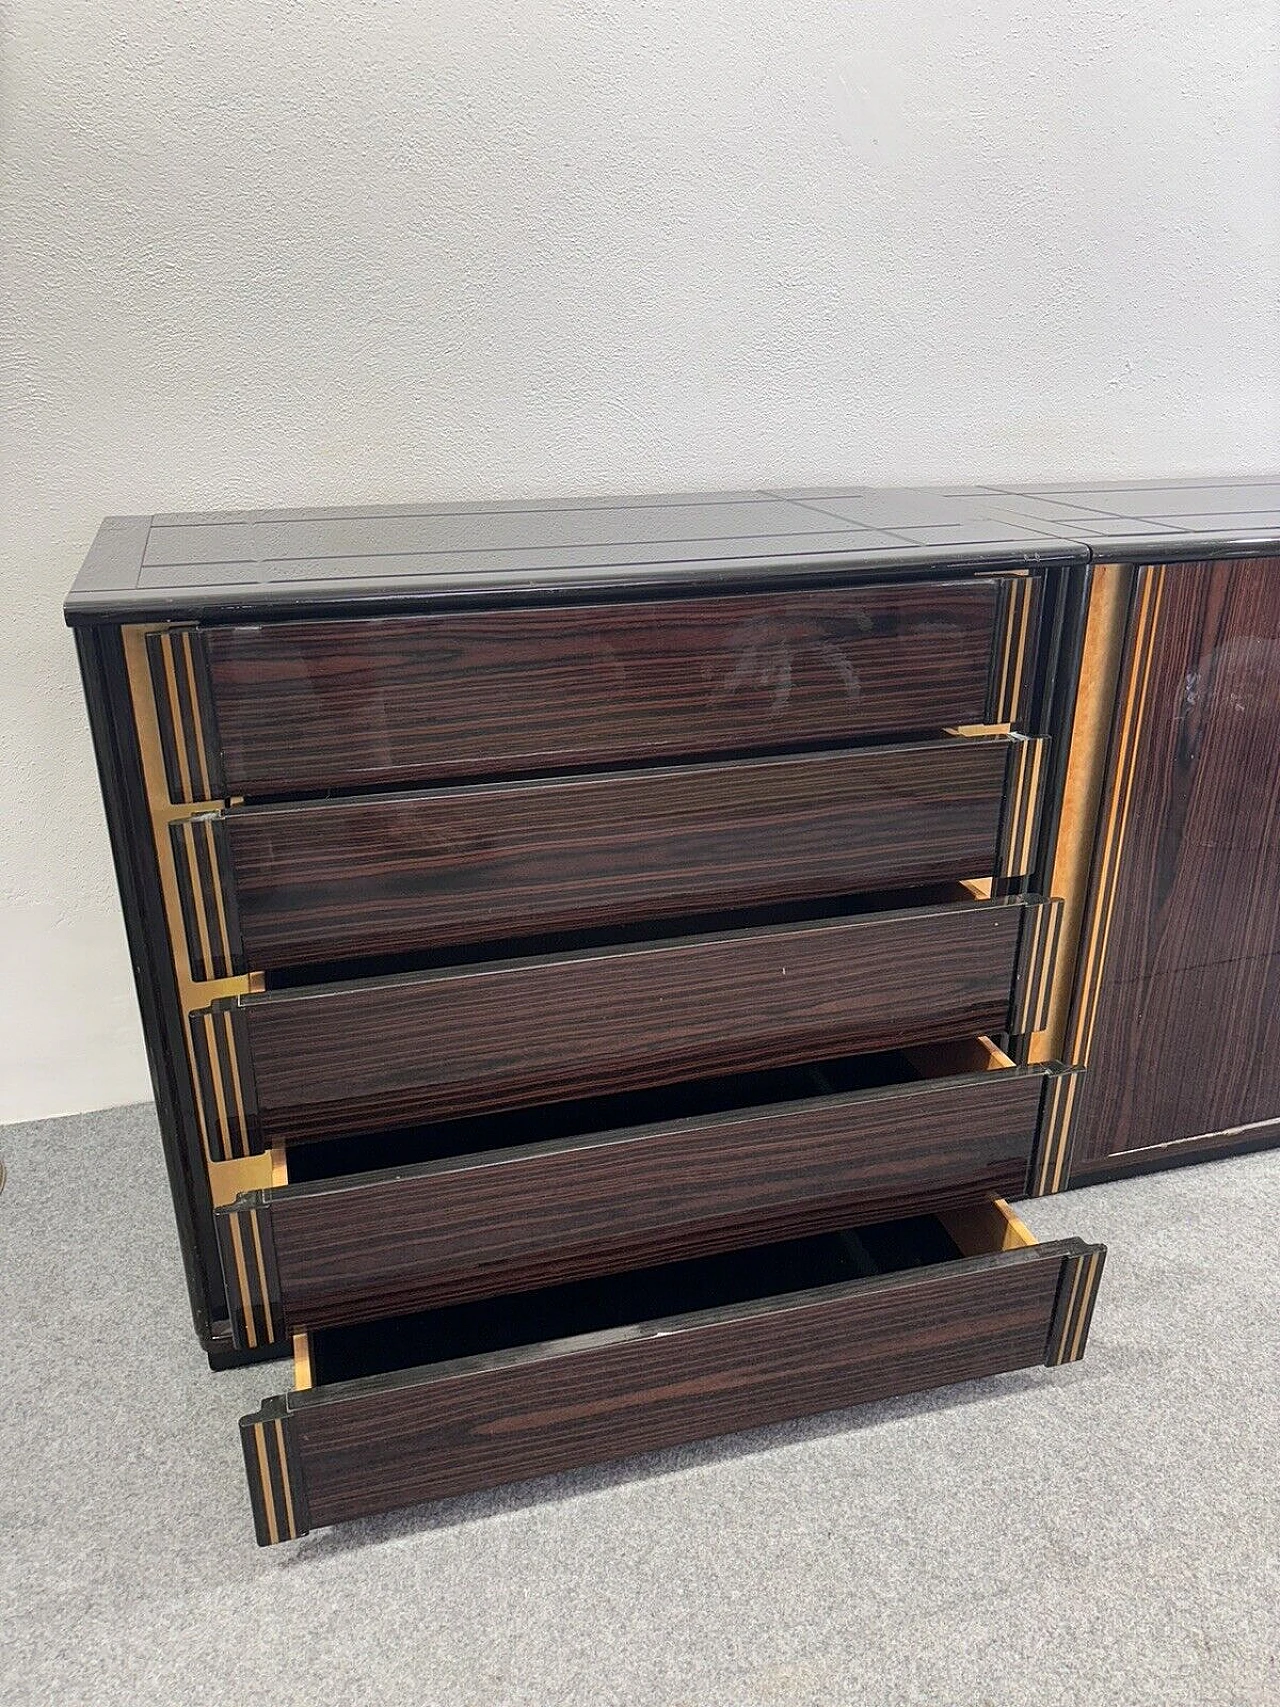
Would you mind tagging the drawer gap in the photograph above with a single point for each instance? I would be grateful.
(638, 932)
(691, 1099)
(609, 1302)
(287, 798)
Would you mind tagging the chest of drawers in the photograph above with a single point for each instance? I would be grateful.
(596, 965)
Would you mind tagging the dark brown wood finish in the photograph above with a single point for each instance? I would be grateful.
(1178, 1005)
(378, 1443)
(303, 706)
(340, 1250)
(288, 1066)
(389, 874)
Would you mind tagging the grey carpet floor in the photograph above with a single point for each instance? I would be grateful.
(1101, 1534)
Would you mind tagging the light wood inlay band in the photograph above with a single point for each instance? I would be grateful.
(1111, 851)
(242, 1277)
(1018, 604)
(1095, 704)
(1087, 1270)
(268, 1494)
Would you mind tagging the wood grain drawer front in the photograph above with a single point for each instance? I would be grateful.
(327, 1061)
(473, 1225)
(384, 875)
(281, 708)
(593, 1394)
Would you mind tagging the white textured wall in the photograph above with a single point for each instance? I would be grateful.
(296, 253)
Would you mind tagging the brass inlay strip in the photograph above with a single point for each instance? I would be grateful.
(1118, 814)
(1024, 802)
(212, 846)
(196, 718)
(1022, 1020)
(1067, 1113)
(233, 1066)
(268, 1321)
(1013, 809)
(268, 1497)
(1086, 1300)
(1057, 1138)
(1048, 962)
(284, 1481)
(1029, 961)
(193, 994)
(1030, 809)
(1021, 651)
(242, 1275)
(1051, 1130)
(175, 717)
(197, 896)
(1077, 1270)
(211, 1044)
(1010, 609)
(1100, 666)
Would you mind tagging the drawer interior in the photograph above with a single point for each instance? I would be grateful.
(642, 1298)
(691, 1099)
(624, 933)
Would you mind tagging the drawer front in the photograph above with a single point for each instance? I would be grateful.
(343, 1250)
(295, 706)
(280, 886)
(353, 1449)
(288, 1066)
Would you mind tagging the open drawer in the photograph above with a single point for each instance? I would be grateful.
(470, 1208)
(473, 1395)
(855, 975)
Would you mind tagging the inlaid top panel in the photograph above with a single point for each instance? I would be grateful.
(229, 562)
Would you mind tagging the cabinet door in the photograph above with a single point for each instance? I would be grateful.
(1177, 1002)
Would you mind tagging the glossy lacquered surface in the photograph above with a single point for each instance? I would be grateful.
(275, 561)
(1178, 1014)
(383, 1441)
(383, 1053)
(384, 875)
(479, 1223)
(316, 705)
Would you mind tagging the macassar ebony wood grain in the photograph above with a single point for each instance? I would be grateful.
(1177, 1013)
(387, 874)
(288, 1066)
(472, 1225)
(301, 706)
(386, 1441)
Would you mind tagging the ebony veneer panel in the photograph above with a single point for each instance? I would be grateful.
(340, 1250)
(370, 1445)
(300, 706)
(389, 874)
(365, 1055)
(1178, 1010)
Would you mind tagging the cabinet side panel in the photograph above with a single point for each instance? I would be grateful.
(102, 667)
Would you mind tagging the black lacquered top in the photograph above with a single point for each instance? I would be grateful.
(281, 562)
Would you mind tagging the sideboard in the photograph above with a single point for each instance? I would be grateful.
(607, 964)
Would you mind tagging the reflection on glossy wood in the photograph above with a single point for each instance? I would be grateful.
(541, 1409)
(309, 705)
(428, 1046)
(386, 875)
(1178, 1008)
(481, 1224)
